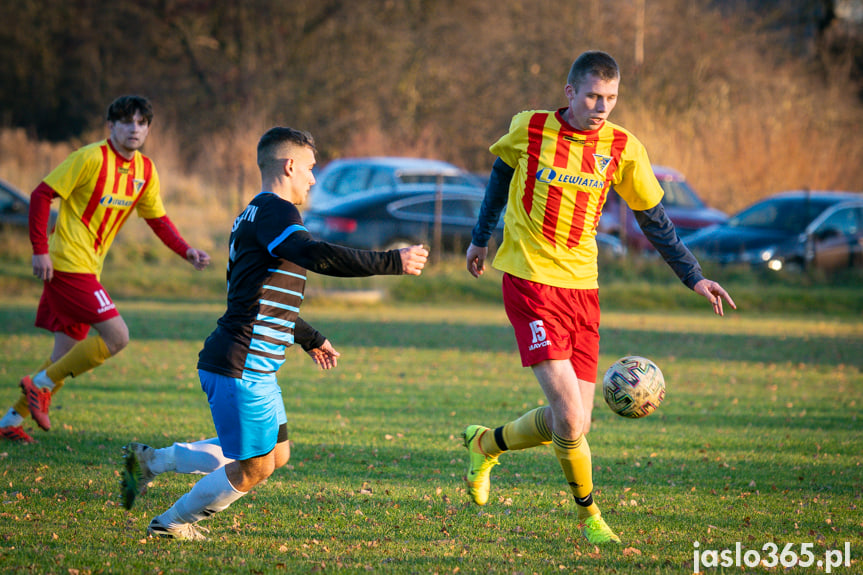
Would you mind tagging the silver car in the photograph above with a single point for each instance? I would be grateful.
(347, 177)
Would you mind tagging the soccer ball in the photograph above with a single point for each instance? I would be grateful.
(633, 386)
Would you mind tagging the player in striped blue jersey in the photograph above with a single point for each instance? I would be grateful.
(270, 252)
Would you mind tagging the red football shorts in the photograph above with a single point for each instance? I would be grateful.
(71, 303)
(554, 323)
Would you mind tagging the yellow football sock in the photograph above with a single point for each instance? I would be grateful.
(527, 431)
(575, 460)
(84, 356)
(487, 444)
(20, 406)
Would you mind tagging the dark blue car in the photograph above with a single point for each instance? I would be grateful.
(684, 208)
(392, 219)
(797, 230)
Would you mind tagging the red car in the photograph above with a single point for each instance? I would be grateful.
(685, 209)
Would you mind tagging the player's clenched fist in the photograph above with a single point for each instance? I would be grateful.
(414, 259)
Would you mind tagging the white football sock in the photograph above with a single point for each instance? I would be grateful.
(213, 493)
(200, 457)
(11, 419)
(42, 380)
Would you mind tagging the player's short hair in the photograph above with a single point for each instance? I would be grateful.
(593, 63)
(278, 141)
(124, 108)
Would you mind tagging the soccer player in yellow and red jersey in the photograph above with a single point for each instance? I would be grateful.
(99, 186)
(554, 168)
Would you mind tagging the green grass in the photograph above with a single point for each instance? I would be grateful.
(146, 270)
(758, 441)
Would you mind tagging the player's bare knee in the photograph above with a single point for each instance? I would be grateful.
(264, 474)
(282, 454)
(253, 475)
(116, 338)
(115, 346)
(122, 338)
(571, 427)
(577, 423)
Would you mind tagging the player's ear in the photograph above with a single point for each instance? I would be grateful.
(289, 167)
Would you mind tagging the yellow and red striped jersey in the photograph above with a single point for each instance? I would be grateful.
(561, 180)
(99, 188)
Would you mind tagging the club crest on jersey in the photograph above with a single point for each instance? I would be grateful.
(138, 184)
(602, 162)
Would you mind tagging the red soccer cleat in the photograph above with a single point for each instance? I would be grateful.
(16, 433)
(38, 400)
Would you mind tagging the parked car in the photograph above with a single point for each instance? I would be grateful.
(395, 219)
(684, 208)
(392, 219)
(791, 230)
(15, 209)
(350, 176)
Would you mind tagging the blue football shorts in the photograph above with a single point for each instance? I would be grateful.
(247, 414)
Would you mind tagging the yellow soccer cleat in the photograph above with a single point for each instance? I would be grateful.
(479, 464)
(597, 530)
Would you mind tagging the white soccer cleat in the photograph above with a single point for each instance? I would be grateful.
(184, 531)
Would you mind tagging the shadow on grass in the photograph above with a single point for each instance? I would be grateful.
(195, 322)
(805, 348)
(763, 423)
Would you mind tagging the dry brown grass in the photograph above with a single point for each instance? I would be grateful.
(743, 107)
(195, 199)
(733, 160)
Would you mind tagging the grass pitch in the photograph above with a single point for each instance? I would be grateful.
(758, 442)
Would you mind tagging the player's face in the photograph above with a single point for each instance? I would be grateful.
(129, 134)
(591, 104)
(300, 169)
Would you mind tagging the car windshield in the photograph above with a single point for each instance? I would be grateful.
(790, 215)
(678, 194)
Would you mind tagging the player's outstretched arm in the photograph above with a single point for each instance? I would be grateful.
(414, 259)
(325, 356)
(476, 257)
(715, 293)
(340, 261)
(166, 231)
